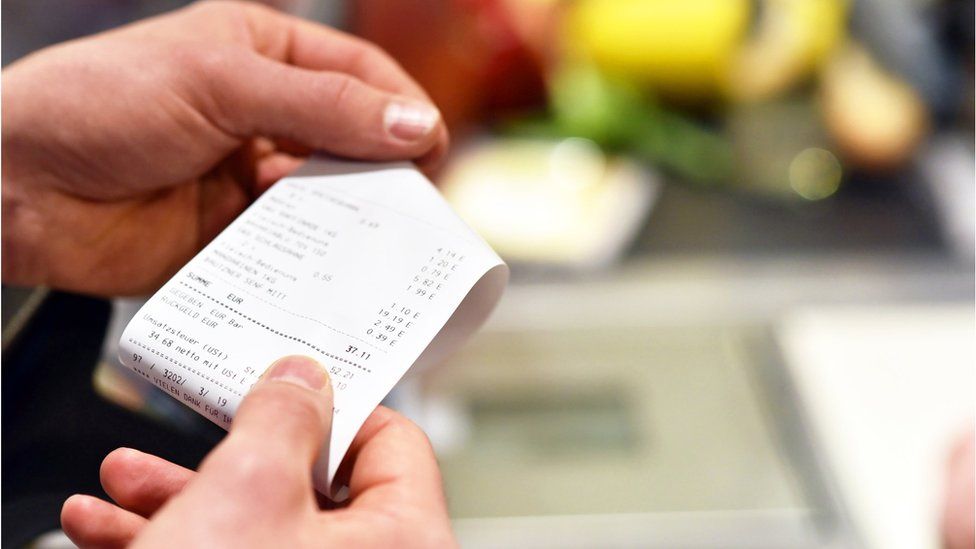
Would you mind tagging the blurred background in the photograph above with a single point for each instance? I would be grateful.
(742, 306)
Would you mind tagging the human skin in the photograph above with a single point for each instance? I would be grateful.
(125, 152)
(958, 530)
(255, 488)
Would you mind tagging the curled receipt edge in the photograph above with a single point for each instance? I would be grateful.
(362, 266)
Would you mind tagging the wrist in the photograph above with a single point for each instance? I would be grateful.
(21, 225)
(22, 265)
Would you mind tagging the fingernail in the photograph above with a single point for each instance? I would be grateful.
(298, 370)
(410, 120)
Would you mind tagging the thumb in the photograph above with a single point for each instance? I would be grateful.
(325, 110)
(278, 429)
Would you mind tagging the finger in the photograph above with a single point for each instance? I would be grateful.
(274, 167)
(277, 432)
(141, 482)
(433, 160)
(309, 45)
(410, 480)
(92, 523)
(327, 110)
(222, 197)
(266, 161)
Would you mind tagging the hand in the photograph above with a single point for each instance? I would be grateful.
(255, 488)
(960, 503)
(125, 152)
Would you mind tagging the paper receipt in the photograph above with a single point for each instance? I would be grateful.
(363, 267)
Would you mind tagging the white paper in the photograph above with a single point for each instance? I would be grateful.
(362, 266)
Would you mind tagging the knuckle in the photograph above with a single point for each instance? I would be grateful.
(341, 89)
(252, 468)
(210, 77)
(372, 50)
(261, 472)
(366, 52)
(206, 62)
